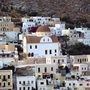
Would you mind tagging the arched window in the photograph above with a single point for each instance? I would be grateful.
(4, 85)
(4, 29)
(32, 54)
(29, 55)
(45, 69)
(50, 51)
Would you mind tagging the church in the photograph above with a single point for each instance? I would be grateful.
(42, 43)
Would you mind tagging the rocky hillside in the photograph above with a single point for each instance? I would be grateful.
(72, 9)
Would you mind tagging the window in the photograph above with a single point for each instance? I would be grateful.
(85, 68)
(45, 51)
(54, 61)
(55, 50)
(0, 77)
(23, 88)
(51, 68)
(4, 78)
(4, 84)
(35, 46)
(28, 88)
(0, 84)
(24, 82)
(19, 88)
(8, 83)
(80, 84)
(74, 35)
(19, 82)
(42, 82)
(45, 69)
(62, 60)
(87, 84)
(58, 61)
(8, 76)
(38, 69)
(30, 47)
(78, 60)
(50, 51)
(29, 54)
(32, 82)
(32, 54)
(73, 84)
(85, 60)
(69, 84)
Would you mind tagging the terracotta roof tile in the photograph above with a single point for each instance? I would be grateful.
(43, 29)
(24, 71)
(35, 39)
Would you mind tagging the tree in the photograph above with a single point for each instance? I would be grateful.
(64, 45)
(19, 48)
(79, 49)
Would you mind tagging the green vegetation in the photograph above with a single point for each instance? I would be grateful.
(79, 49)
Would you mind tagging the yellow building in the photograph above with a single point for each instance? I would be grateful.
(8, 31)
(6, 81)
(6, 25)
(9, 47)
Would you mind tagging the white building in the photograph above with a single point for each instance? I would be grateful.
(78, 69)
(74, 84)
(80, 59)
(8, 31)
(41, 70)
(57, 29)
(29, 22)
(27, 26)
(45, 84)
(60, 60)
(12, 36)
(42, 44)
(26, 82)
(72, 34)
(44, 70)
(8, 54)
(32, 22)
(84, 35)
